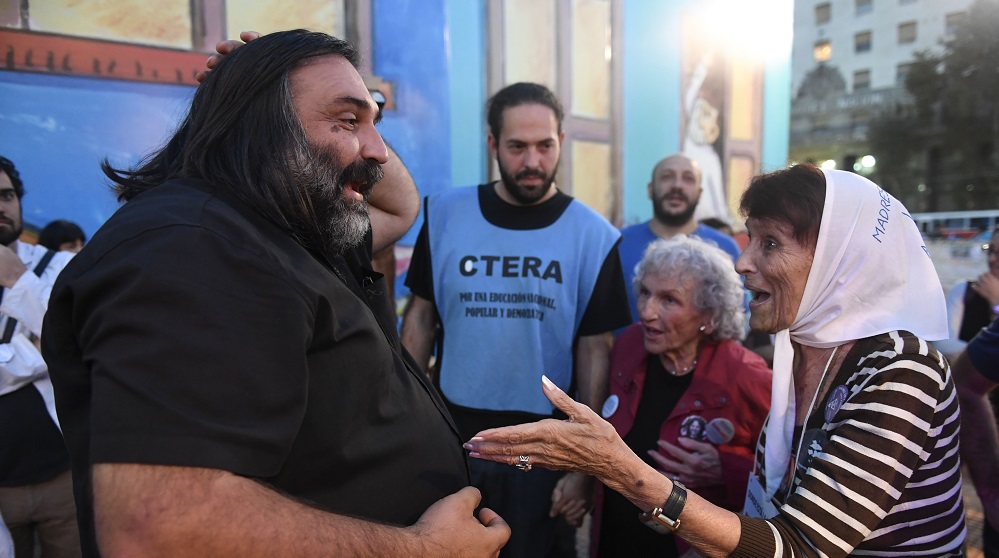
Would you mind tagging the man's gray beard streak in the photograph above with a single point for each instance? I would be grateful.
(346, 230)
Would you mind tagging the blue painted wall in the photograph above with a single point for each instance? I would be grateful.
(776, 113)
(57, 129)
(466, 38)
(410, 50)
(651, 97)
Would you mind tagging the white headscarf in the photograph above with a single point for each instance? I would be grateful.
(870, 274)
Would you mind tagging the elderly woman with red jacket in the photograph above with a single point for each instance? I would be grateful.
(684, 393)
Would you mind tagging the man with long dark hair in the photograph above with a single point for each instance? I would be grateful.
(227, 370)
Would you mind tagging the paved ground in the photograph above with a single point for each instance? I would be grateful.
(957, 261)
(974, 519)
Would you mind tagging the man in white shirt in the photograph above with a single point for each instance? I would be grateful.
(36, 490)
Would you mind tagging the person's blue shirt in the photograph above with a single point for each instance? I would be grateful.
(983, 351)
(636, 238)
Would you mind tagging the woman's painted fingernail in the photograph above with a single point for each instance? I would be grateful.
(474, 454)
(468, 446)
(548, 383)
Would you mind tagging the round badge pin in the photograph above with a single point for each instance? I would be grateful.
(813, 441)
(693, 427)
(836, 400)
(610, 407)
(720, 431)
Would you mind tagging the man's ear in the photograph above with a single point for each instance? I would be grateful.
(492, 143)
(651, 192)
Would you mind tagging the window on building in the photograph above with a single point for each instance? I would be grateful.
(862, 42)
(901, 73)
(907, 32)
(861, 80)
(823, 13)
(953, 21)
(820, 123)
(576, 57)
(864, 6)
(822, 51)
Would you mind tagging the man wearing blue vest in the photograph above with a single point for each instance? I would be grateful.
(675, 189)
(522, 280)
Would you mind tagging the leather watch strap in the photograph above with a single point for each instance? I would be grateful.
(667, 518)
(674, 504)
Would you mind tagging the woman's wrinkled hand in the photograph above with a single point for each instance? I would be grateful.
(694, 464)
(584, 443)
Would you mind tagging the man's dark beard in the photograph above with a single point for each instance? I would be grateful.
(673, 219)
(340, 223)
(7, 237)
(524, 196)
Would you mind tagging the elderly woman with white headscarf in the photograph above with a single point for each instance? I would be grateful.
(859, 454)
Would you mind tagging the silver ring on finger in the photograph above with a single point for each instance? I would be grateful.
(525, 463)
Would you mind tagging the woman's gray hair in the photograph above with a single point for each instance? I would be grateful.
(717, 287)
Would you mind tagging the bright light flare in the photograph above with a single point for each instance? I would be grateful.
(761, 29)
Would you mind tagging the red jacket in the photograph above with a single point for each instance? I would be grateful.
(730, 382)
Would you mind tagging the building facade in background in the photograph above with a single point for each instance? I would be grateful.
(850, 60)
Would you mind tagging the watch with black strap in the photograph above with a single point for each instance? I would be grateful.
(666, 519)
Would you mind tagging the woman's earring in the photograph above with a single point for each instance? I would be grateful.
(702, 329)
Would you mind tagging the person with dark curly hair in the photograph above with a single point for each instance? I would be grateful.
(62, 236)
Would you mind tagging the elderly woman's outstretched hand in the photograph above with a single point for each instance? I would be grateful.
(585, 442)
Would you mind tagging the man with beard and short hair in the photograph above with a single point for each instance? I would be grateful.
(36, 488)
(523, 280)
(675, 189)
(228, 375)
